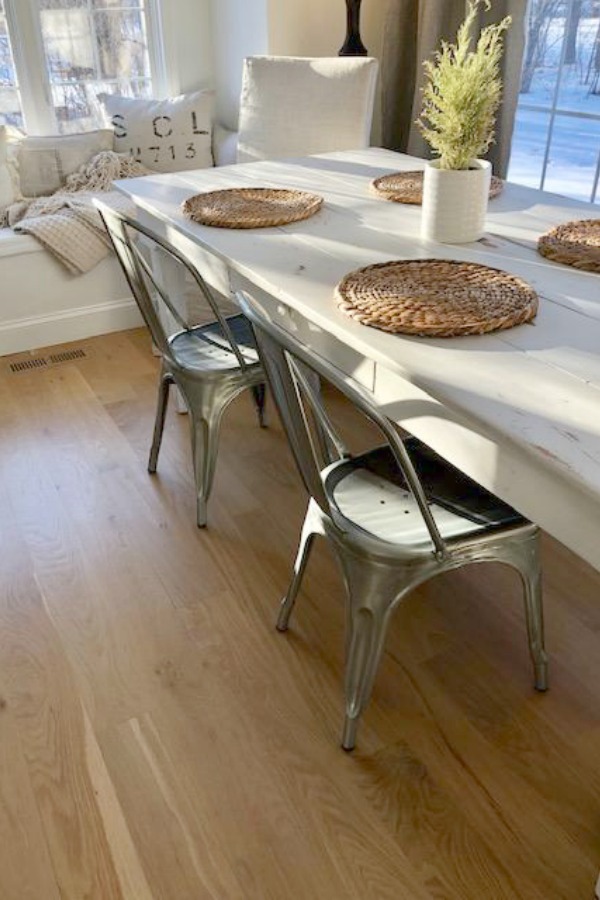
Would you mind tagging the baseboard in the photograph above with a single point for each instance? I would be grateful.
(17, 335)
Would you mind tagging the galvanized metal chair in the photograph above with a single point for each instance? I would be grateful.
(210, 364)
(395, 516)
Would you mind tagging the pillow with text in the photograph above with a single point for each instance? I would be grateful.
(164, 135)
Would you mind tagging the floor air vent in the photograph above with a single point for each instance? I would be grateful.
(26, 364)
(43, 362)
(67, 356)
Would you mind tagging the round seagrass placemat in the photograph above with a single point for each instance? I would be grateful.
(436, 297)
(574, 244)
(407, 187)
(251, 207)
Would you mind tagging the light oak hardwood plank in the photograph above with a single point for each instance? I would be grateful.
(24, 875)
(42, 695)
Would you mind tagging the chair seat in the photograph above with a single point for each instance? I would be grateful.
(205, 348)
(368, 492)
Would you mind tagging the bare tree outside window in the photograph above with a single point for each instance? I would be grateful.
(572, 27)
(541, 15)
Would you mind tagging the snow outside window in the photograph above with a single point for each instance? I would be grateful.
(66, 52)
(556, 142)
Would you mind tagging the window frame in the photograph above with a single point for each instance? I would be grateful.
(35, 90)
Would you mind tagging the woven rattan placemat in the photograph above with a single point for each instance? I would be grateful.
(574, 244)
(407, 187)
(436, 297)
(251, 207)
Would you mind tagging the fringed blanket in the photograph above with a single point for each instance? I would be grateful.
(67, 223)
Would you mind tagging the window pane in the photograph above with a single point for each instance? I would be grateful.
(579, 89)
(118, 4)
(573, 157)
(122, 44)
(127, 88)
(529, 147)
(93, 46)
(10, 104)
(558, 150)
(545, 29)
(62, 4)
(69, 44)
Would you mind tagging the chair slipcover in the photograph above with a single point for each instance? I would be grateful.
(292, 106)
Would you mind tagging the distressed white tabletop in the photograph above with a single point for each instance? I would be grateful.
(517, 410)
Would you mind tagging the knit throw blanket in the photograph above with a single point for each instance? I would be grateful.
(67, 223)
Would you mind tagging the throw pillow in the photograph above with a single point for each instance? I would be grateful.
(45, 162)
(224, 145)
(164, 135)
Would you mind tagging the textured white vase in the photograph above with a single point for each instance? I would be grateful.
(455, 202)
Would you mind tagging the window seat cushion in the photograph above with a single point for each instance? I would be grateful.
(12, 244)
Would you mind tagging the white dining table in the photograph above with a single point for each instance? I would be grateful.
(517, 410)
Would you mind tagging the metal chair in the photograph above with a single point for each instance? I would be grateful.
(395, 516)
(210, 364)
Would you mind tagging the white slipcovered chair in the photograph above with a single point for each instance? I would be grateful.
(292, 106)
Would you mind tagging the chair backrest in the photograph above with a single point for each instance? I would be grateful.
(292, 106)
(140, 261)
(312, 437)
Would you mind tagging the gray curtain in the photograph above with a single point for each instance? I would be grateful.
(413, 31)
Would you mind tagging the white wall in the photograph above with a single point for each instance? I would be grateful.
(188, 42)
(239, 28)
(309, 28)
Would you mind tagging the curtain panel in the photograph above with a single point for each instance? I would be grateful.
(413, 32)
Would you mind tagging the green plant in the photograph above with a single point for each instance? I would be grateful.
(463, 91)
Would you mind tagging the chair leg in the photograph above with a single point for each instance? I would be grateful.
(531, 576)
(311, 527)
(535, 629)
(205, 441)
(373, 591)
(259, 393)
(159, 423)
(287, 604)
(524, 556)
(367, 628)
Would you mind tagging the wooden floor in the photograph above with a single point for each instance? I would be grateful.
(159, 740)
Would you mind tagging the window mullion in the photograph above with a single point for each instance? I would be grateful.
(555, 97)
(32, 76)
(163, 86)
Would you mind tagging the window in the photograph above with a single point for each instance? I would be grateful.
(56, 56)
(10, 102)
(556, 143)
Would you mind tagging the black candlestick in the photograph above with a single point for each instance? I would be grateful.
(353, 46)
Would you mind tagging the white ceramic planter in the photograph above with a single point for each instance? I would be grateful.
(455, 202)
